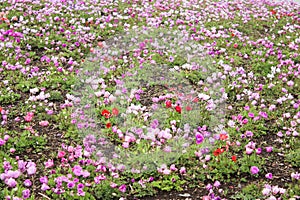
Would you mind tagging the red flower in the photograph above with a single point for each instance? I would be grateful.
(195, 100)
(218, 151)
(233, 158)
(0, 108)
(232, 34)
(273, 12)
(168, 104)
(115, 111)
(105, 113)
(178, 109)
(223, 136)
(108, 125)
(188, 108)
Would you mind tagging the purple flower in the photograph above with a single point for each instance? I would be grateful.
(249, 134)
(26, 193)
(217, 184)
(13, 174)
(11, 182)
(208, 186)
(251, 115)
(31, 170)
(122, 188)
(45, 187)
(44, 179)
(27, 183)
(199, 138)
(269, 176)
(258, 151)
(80, 192)
(2, 142)
(254, 170)
(22, 165)
(70, 185)
(182, 170)
(77, 170)
(80, 186)
(85, 174)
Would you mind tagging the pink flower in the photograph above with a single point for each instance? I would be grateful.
(77, 170)
(258, 151)
(251, 115)
(113, 185)
(217, 184)
(166, 171)
(182, 170)
(31, 170)
(269, 176)
(27, 183)
(28, 118)
(61, 154)
(45, 187)
(249, 150)
(245, 121)
(122, 188)
(49, 164)
(254, 170)
(26, 193)
(12, 150)
(269, 149)
(11, 182)
(173, 167)
(44, 123)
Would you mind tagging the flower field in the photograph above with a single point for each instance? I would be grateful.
(145, 99)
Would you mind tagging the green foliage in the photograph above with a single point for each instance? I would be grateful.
(168, 183)
(105, 191)
(293, 157)
(249, 192)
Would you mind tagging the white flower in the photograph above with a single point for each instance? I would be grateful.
(203, 96)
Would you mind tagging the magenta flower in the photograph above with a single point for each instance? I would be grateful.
(26, 193)
(80, 186)
(199, 138)
(29, 116)
(2, 142)
(269, 149)
(27, 183)
(258, 151)
(122, 188)
(254, 170)
(70, 185)
(61, 154)
(80, 192)
(269, 176)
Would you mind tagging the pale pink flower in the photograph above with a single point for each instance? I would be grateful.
(44, 123)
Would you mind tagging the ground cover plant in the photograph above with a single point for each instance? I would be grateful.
(149, 99)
